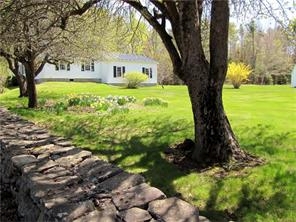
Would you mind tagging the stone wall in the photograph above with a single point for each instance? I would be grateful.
(55, 181)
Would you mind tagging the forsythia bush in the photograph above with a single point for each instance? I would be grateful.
(134, 79)
(237, 73)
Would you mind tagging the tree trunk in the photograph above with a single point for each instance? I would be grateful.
(31, 86)
(22, 83)
(214, 138)
(32, 92)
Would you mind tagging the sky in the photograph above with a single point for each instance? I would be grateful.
(272, 13)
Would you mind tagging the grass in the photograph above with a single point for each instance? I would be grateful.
(263, 118)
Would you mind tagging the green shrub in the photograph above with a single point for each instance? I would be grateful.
(153, 101)
(134, 79)
(60, 107)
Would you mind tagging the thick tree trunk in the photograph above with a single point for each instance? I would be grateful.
(214, 138)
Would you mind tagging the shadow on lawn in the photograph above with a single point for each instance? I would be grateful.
(138, 144)
(142, 148)
(273, 189)
(253, 201)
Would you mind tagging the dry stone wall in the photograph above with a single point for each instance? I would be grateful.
(54, 181)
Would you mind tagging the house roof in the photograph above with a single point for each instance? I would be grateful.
(129, 58)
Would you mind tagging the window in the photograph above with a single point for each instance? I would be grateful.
(88, 66)
(147, 71)
(62, 66)
(118, 71)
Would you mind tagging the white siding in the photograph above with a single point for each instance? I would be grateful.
(103, 71)
(293, 77)
(49, 72)
(130, 67)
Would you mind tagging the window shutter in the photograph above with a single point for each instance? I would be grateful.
(68, 66)
(57, 67)
(92, 66)
(123, 70)
(150, 73)
(82, 67)
(143, 70)
(114, 71)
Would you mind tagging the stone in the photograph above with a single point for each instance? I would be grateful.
(37, 143)
(21, 160)
(204, 219)
(135, 215)
(62, 142)
(121, 182)
(43, 149)
(57, 171)
(39, 167)
(97, 216)
(73, 194)
(90, 163)
(42, 186)
(70, 211)
(173, 209)
(138, 196)
(101, 173)
(73, 157)
(105, 212)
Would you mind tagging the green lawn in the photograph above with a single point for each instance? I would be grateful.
(263, 118)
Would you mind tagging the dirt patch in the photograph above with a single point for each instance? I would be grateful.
(180, 155)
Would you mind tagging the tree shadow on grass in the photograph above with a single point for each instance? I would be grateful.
(253, 202)
(269, 190)
(132, 144)
(138, 144)
(142, 151)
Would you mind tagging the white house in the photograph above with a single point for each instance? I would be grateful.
(110, 70)
(293, 77)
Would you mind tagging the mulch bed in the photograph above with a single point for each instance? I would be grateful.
(180, 155)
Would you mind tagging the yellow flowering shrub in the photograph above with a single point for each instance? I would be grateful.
(237, 73)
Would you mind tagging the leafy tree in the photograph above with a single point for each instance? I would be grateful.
(27, 33)
(34, 33)
(237, 73)
(273, 57)
(134, 79)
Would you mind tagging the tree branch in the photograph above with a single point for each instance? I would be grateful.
(219, 38)
(39, 69)
(79, 11)
(166, 38)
